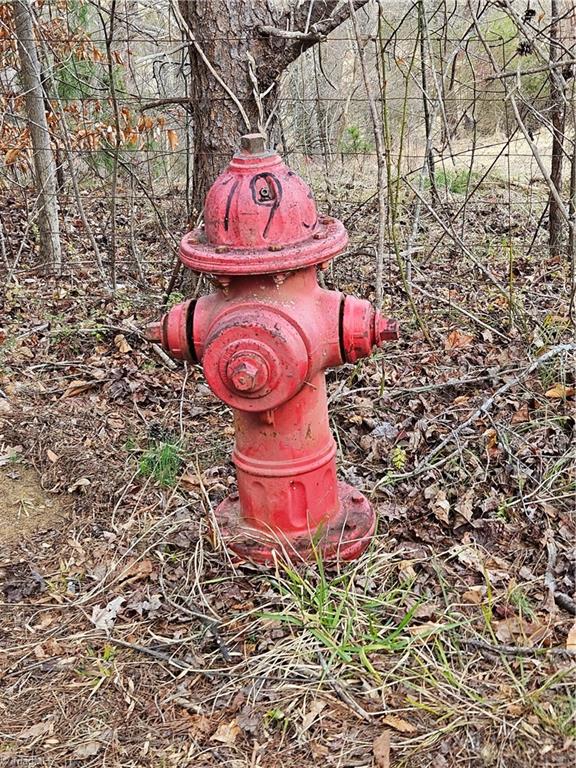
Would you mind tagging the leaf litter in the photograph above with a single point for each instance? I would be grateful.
(370, 664)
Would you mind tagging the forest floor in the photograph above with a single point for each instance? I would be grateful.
(128, 638)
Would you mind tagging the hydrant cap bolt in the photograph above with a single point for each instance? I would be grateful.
(247, 373)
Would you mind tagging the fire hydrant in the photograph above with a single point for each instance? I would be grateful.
(265, 338)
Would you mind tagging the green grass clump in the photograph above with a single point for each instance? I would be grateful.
(162, 463)
(456, 181)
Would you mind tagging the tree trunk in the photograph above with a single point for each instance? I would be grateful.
(44, 165)
(558, 118)
(234, 43)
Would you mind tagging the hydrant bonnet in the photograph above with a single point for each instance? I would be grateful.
(260, 218)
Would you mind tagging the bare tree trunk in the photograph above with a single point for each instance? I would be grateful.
(558, 117)
(108, 41)
(44, 165)
(232, 46)
(425, 97)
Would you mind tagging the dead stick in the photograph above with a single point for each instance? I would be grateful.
(517, 650)
(561, 599)
(487, 404)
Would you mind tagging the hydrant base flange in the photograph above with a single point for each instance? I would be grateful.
(344, 536)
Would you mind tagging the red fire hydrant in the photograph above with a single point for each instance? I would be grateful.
(264, 339)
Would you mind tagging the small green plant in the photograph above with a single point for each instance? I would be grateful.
(353, 142)
(456, 181)
(398, 457)
(555, 327)
(98, 666)
(161, 462)
(174, 298)
(275, 717)
(502, 513)
(349, 626)
(521, 602)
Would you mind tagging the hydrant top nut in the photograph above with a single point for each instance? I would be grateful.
(253, 144)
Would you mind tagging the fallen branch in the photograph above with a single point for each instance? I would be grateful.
(519, 650)
(164, 357)
(211, 625)
(561, 599)
(167, 659)
(343, 694)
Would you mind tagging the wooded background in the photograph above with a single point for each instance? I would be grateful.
(417, 105)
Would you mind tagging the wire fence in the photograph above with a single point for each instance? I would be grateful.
(466, 173)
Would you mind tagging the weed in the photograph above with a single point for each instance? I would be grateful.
(398, 457)
(521, 602)
(353, 142)
(502, 512)
(339, 620)
(456, 181)
(174, 298)
(161, 462)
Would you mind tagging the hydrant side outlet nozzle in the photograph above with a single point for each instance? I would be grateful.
(265, 338)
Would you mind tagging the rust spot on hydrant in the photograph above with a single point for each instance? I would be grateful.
(264, 340)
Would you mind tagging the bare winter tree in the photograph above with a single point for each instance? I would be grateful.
(562, 31)
(44, 164)
(238, 52)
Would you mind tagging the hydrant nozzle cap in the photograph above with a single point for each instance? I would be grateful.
(253, 144)
(385, 329)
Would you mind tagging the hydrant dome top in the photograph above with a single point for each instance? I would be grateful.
(260, 217)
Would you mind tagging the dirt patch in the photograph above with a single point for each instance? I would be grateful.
(25, 506)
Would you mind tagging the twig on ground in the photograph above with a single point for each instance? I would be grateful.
(166, 658)
(211, 625)
(462, 310)
(518, 650)
(343, 694)
(164, 357)
(561, 599)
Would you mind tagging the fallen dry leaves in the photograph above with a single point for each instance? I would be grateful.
(227, 733)
(103, 617)
(399, 724)
(458, 339)
(559, 392)
(381, 750)
(78, 387)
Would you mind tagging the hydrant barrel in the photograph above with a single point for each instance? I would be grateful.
(264, 339)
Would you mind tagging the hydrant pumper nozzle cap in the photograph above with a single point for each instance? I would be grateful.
(153, 332)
